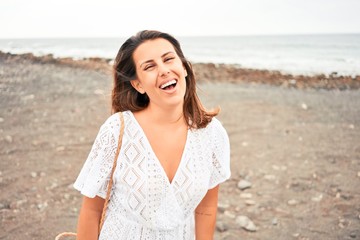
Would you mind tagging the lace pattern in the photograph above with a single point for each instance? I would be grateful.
(143, 203)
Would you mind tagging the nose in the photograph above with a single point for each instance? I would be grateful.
(163, 70)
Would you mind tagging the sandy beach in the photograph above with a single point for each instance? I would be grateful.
(295, 152)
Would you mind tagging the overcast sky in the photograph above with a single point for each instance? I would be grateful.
(119, 18)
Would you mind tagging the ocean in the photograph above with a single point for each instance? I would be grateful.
(294, 54)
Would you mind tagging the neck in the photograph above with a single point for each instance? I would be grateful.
(165, 116)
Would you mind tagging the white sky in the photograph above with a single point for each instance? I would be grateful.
(119, 18)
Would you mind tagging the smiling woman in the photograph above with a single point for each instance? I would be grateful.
(173, 156)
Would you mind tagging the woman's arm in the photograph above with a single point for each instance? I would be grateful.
(205, 215)
(89, 218)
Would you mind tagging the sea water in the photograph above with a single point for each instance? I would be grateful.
(295, 54)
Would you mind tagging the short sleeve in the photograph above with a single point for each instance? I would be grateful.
(95, 173)
(220, 162)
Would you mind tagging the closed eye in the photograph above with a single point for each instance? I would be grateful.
(168, 59)
(147, 67)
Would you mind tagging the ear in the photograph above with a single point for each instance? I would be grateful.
(137, 85)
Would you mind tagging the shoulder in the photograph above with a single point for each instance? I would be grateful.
(216, 127)
(114, 119)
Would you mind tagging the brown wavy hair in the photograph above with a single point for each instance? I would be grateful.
(125, 97)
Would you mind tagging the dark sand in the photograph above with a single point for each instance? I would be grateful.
(296, 141)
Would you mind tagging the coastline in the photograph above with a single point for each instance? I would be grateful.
(210, 72)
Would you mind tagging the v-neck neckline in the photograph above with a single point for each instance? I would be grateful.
(157, 159)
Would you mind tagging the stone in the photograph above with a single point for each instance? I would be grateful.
(274, 221)
(229, 214)
(221, 227)
(246, 195)
(246, 223)
(250, 202)
(317, 198)
(33, 174)
(353, 234)
(1, 120)
(243, 184)
(269, 177)
(9, 139)
(304, 106)
(221, 206)
(292, 202)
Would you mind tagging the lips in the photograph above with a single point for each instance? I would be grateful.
(168, 84)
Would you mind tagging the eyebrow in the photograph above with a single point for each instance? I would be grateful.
(161, 57)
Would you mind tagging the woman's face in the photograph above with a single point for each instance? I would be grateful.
(160, 73)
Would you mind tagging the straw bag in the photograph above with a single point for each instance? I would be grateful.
(66, 234)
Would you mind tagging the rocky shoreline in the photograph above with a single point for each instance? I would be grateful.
(210, 72)
(295, 157)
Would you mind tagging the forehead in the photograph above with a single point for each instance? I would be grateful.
(152, 49)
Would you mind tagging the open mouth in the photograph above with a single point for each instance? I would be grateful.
(169, 85)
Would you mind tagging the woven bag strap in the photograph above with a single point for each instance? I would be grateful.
(122, 125)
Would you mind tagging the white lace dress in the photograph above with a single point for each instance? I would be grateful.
(143, 203)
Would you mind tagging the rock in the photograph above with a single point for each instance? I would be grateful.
(221, 206)
(292, 202)
(317, 198)
(33, 174)
(250, 202)
(221, 227)
(1, 120)
(358, 174)
(244, 144)
(9, 139)
(28, 97)
(246, 195)
(274, 221)
(243, 184)
(353, 234)
(269, 177)
(304, 106)
(229, 214)
(60, 148)
(246, 223)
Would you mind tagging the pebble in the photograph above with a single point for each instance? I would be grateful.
(1, 120)
(269, 177)
(221, 227)
(243, 184)
(221, 206)
(246, 195)
(274, 221)
(9, 139)
(353, 235)
(33, 174)
(358, 174)
(42, 206)
(244, 144)
(60, 148)
(317, 198)
(28, 97)
(229, 214)
(250, 202)
(246, 223)
(292, 202)
(304, 106)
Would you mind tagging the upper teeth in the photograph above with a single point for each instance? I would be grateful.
(168, 84)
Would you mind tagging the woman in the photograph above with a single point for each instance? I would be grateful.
(174, 154)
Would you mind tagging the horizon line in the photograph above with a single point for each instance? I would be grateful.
(189, 36)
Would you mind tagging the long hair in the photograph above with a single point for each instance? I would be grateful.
(124, 95)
